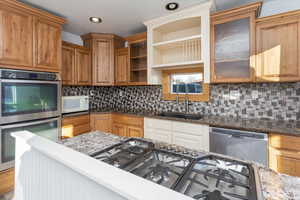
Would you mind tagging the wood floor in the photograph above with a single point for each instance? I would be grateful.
(7, 196)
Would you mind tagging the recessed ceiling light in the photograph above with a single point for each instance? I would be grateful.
(172, 6)
(96, 20)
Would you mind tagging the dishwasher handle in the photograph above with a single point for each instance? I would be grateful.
(239, 134)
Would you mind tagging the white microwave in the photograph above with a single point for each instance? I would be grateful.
(72, 104)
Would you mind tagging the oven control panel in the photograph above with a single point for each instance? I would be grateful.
(27, 75)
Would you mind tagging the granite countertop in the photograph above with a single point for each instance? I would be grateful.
(275, 186)
(291, 128)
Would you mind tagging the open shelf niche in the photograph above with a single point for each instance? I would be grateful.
(178, 41)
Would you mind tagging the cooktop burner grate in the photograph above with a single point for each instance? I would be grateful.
(161, 167)
(217, 178)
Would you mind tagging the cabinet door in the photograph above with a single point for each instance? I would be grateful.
(119, 129)
(68, 65)
(16, 37)
(48, 45)
(278, 53)
(121, 70)
(7, 181)
(134, 131)
(232, 47)
(83, 67)
(101, 122)
(284, 161)
(103, 72)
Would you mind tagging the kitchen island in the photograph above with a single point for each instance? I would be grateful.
(74, 175)
(274, 186)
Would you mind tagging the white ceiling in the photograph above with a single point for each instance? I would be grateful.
(122, 17)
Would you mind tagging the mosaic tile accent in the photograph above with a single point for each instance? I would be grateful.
(279, 101)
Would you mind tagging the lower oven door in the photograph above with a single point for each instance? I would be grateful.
(26, 100)
(50, 128)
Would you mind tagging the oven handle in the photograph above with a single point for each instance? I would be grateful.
(29, 123)
(27, 81)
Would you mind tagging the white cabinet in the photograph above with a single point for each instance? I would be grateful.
(194, 136)
(179, 40)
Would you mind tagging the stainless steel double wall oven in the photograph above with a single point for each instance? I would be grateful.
(29, 101)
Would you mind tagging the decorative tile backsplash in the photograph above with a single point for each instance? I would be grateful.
(279, 101)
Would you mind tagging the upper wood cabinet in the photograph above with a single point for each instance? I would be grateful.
(278, 48)
(16, 37)
(68, 65)
(121, 67)
(137, 59)
(103, 48)
(83, 67)
(29, 38)
(48, 45)
(76, 65)
(233, 44)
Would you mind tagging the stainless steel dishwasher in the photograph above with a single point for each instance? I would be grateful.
(244, 145)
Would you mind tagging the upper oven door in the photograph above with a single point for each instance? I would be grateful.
(23, 100)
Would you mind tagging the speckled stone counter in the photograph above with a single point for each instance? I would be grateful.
(274, 186)
(291, 128)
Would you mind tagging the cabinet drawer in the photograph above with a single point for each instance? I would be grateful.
(80, 129)
(159, 124)
(82, 119)
(195, 129)
(190, 141)
(128, 120)
(158, 135)
(284, 142)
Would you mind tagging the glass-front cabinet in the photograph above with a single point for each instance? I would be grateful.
(233, 45)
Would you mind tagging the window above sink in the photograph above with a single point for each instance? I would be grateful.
(184, 83)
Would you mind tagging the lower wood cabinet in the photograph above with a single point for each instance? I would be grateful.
(119, 124)
(119, 129)
(75, 125)
(127, 125)
(194, 136)
(284, 154)
(101, 122)
(7, 182)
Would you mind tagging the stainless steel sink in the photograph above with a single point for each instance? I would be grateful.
(181, 115)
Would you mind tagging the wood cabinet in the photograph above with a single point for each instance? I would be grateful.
(119, 129)
(121, 69)
(284, 154)
(7, 181)
(68, 65)
(29, 38)
(103, 48)
(233, 44)
(101, 122)
(76, 65)
(278, 48)
(48, 45)
(16, 37)
(137, 59)
(75, 125)
(127, 125)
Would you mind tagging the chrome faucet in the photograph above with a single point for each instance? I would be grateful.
(187, 104)
(186, 101)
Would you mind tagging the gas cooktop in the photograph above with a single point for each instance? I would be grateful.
(207, 177)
